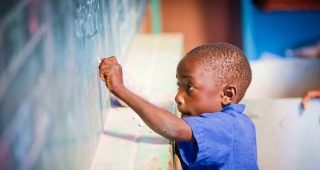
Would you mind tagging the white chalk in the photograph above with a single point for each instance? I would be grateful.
(141, 124)
(99, 61)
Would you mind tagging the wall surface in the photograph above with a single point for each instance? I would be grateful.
(52, 103)
(204, 21)
(276, 31)
(289, 78)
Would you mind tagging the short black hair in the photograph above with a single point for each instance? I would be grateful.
(227, 63)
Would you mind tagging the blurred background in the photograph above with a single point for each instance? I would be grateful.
(53, 105)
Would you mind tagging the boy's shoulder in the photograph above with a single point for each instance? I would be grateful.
(234, 110)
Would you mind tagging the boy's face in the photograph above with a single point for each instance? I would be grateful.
(198, 92)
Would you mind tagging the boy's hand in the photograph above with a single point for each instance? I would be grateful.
(111, 73)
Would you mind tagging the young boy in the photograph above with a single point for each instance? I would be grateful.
(213, 132)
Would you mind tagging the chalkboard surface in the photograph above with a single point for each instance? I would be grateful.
(53, 105)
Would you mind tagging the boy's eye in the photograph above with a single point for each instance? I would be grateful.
(178, 85)
(190, 87)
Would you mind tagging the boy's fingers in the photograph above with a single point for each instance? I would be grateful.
(103, 73)
(305, 100)
(107, 62)
(102, 76)
(106, 66)
(309, 96)
(304, 104)
(103, 65)
(112, 59)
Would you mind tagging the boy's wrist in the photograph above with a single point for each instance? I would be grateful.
(117, 90)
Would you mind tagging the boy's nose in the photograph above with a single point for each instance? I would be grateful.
(179, 100)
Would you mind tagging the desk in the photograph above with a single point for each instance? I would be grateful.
(124, 144)
(287, 137)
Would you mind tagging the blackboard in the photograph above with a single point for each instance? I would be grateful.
(53, 105)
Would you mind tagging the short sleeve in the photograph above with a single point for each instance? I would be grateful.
(214, 140)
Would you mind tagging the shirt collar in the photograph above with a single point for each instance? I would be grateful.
(235, 107)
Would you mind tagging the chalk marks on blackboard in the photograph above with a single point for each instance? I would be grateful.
(87, 19)
(51, 101)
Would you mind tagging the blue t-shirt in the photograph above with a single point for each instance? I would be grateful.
(225, 140)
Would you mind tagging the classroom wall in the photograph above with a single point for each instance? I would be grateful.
(202, 22)
(278, 30)
(52, 103)
(240, 23)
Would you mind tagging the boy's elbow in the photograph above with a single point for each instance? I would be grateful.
(176, 134)
(172, 136)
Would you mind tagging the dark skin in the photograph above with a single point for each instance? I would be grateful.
(310, 94)
(197, 94)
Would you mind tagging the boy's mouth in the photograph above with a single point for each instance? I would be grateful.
(184, 113)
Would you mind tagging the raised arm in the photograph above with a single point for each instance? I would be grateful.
(159, 120)
(310, 94)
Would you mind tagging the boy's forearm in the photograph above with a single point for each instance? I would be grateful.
(159, 120)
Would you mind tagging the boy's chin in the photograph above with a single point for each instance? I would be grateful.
(184, 115)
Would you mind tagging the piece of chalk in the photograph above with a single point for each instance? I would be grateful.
(99, 61)
(141, 124)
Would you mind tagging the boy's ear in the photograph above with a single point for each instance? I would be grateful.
(229, 94)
